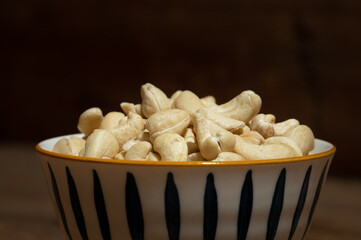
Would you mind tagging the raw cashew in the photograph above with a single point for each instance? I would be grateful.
(69, 146)
(90, 120)
(229, 156)
(130, 130)
(131, 107)
(261, 152)
(139, 151)
(253, 137)
(264, 125)
(227, 123)
(112, 120)
(191, 141)
(101, 143)
(130, 143)
(287, 141)
(173, 97)
(209, 101)
(153, 100)
(243, 107)
(211, 138)
(120, 155)
(196, 156)
(171, 147)
(167, 121)
(303, 136)
(152, 156)
(188, 101)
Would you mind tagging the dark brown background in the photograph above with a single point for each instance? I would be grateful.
(302, 57)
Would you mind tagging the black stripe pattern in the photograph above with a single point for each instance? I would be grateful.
(172, 208)
(100, 207)
(75, 203)
(58, 201)
(315, 199)
(134, 208)
(276, 207)
(210, 214)
(245, 207)
(300, 203)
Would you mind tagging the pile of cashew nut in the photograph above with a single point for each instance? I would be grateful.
(185, 127)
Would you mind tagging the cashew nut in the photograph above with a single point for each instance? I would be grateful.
(209, 101)
(264, 125)
(211, 138)
(70, 146)
(191, 141)
(139, 151)
(120, 155)
(112, 120)
(167, 121)
(153, 100)
(253, 137)
(196, 156)
(130, 130)
(90, 120)
(229, 156)
(261, 152)
(130, 143)
(243, 107)
(188, 101)
(152, 156)
(171, 147)
(101, 143)
(303, 136)
(287, 141)
(131, 107)
(227, 123)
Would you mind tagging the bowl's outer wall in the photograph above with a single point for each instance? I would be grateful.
(99, 201)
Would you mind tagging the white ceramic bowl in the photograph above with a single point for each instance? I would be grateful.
(119, 199)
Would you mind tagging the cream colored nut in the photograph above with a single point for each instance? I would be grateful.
(139, 151)
(167, 121)
(243, 107)
(188, 101)
(225, 122)
(191, 141)
(130, 143)
(70, 146)
(153, 100)
(130, 130)
(240, 131)
(90, 120)
(120, 155)
(271, 118)
(101, 143)
(303, 136)
(282, 127)
(173, 97)
(253, 137)
(144, 136)
(152, 156)
(261, 152)
(196, 156)
(112, 120)
(266, 128)
(131, 107)
(229, 156)
(171, 147)
(209, 101)
(212, 139)
(287, 141)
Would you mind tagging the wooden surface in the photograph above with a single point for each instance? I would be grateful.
(26, 212)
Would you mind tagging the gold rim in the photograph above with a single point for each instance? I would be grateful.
(188, 164)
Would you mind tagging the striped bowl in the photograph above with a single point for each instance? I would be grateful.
(119, 199)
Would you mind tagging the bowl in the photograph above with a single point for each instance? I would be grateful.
(122, 199)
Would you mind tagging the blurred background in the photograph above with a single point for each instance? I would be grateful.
(302, 57)
(60, 57)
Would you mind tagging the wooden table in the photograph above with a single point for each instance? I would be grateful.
(26, 211)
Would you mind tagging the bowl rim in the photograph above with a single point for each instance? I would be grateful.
(310, 157)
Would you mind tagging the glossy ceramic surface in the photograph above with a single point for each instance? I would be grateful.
(115, 199)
